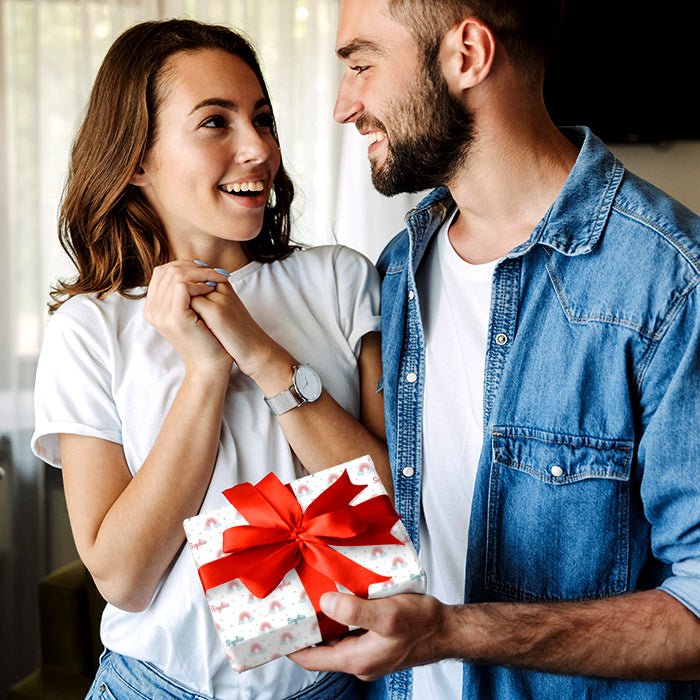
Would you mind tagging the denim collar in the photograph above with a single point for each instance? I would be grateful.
(574, 222)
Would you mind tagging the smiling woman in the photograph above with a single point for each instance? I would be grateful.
(49, 53)
(191, 315)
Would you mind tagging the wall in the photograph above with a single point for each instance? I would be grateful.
(674, 168)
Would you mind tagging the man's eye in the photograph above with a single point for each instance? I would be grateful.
(359, 69)
(215, 122)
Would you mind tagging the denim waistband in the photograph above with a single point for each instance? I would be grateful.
(125, 678)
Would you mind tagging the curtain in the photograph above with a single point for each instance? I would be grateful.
(50, 51)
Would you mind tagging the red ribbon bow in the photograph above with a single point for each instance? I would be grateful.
(281, 537)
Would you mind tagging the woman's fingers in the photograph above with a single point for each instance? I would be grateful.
(169, 307)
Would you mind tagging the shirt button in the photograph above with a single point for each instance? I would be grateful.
(557, 471)
(411, 377)
(411, 295)
(501, 339)
(408, 472)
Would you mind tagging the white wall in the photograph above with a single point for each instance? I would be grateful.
(674, 168)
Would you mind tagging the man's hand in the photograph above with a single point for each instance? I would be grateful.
(401, 631)
(646, 635)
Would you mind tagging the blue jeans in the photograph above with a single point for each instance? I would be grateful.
(124, 678)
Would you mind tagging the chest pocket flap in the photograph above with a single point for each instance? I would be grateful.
(558, 517)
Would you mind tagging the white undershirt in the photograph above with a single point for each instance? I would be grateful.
(455, 298)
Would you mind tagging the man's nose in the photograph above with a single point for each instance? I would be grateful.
(348, 106)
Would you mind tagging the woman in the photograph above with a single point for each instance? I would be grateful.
(171, 367)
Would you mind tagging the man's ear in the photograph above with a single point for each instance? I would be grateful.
(139, 178)
(467, 54)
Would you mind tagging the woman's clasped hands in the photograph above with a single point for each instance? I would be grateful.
(195, 308)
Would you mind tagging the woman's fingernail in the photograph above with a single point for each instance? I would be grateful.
(211, 284)
(221, 271)
(200, 263)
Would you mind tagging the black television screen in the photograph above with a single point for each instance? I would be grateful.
(627, 71)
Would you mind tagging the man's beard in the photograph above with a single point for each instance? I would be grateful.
(431, 134)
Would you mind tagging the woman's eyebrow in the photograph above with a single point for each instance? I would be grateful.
(226, 104)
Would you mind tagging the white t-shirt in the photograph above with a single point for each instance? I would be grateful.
(105, 372)
(455, 298)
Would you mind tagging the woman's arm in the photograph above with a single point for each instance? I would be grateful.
(128, 529)
(321, 433)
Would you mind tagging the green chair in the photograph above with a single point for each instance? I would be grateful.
(70, 608)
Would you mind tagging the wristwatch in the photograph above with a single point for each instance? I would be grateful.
(306, 387)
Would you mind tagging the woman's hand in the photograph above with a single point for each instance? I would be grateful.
(229, 320)
(170, 310)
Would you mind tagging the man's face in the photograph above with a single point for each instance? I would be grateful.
(397, 96)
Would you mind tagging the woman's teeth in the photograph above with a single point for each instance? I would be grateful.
(238, 187)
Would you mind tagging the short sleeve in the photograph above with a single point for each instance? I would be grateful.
(72, 391)
(358, 295)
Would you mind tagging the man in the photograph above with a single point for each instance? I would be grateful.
(541, 317)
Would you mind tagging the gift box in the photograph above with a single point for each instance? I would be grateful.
(265, 560)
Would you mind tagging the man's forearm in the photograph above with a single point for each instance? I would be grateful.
(644, 635)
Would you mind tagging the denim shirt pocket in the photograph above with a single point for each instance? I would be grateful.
(558, 516)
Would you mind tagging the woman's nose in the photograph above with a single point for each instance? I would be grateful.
(252, 146)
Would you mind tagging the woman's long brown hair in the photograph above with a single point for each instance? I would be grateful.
(105, 225)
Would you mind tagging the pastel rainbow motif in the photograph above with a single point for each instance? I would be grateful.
(364, 467)
(276, 606)
(287, 637)
(209, 523)
(265, 627)
(397, 563)
(256, 648)
(245, 616)
(378, 553)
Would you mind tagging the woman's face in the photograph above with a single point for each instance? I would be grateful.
(214, 160)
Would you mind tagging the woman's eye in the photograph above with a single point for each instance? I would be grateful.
(215, 122)
(263, 120)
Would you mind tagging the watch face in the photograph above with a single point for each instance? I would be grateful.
(307, 382)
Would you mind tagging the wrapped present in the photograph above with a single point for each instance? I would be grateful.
(265, 560)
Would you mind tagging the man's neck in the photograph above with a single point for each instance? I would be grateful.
(505, 188)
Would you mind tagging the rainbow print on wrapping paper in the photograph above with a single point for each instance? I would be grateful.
(257, 630)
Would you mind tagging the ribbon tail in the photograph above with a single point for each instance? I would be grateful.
(316, 584)
(337, 567)
(262, 568)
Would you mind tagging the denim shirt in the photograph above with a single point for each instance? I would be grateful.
(588, 484)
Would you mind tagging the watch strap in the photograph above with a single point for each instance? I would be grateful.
(284, 401)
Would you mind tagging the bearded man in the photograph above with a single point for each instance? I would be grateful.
(541, 376)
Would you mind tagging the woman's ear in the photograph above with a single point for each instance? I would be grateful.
(467, 54)
(139, 178)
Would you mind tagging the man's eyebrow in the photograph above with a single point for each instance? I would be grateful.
(357, 46)
(226, 104)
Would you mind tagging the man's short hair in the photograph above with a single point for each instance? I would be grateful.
(526, 28)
